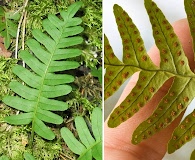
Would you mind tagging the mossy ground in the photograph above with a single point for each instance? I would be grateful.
(86, 93)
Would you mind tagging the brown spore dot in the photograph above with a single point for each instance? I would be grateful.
(128, 115)
(149, 121)
(159, 40)
(118, 19)
(180, 106)
(120, 26)
(144, 58)
(119, 82)
(157, 9)
(124, 13)
(182, 126)
(144, 136)
(111, 55)
(187, 120)
(193, 114)
(182, 63)
(186, 99)
(155, 128)
(177, 146)
(108, 47)
(143, 78)
(139, 86)
(174, 138)
(133, 94)
(140, 105)
(108, 94)
(164, 22)
(127, 56)
(149, 132)
(176, 44)
(172, 94)
(155, 115)
(152, 89)
(122, 119)
(166, 100)
(135, 32)
(181, 142)
(164, 51)
(112, 117)
(168, 27)
(134, 110)
(193, 133)
(121, 107)
(132, 26)
(128, 100)
(138, 40)
(161, 125)
(127, 19)
(151, 17)
(146, 98)
(153, 3)
(117, 112)
(153, 25)
(179, 53)
(110, 73)
(114, 88)
(126, 48)
(173, 113)
(160, 108)
(167, 120)
(149, 11)
(106, 79)
(156, 32)
(165, 60)
(172, 35)
(187, 138)
(126, 41)
(141, 49)
(125, 75)
(190, 16)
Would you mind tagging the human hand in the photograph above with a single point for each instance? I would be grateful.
(117, 141)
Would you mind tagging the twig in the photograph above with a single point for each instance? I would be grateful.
(70, 158)
(18, 30)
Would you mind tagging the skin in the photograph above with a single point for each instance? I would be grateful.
(117, 141)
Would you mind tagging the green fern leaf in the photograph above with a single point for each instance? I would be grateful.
(183, 133)
(8, 27)
(189, 7)
(192, 155)
(88, 147)
(4, 158)
(173, 64)
(50, 49)
(28, 156)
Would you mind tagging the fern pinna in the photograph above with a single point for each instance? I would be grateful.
(173, 64)
(48, 55)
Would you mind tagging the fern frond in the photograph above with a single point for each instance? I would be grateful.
(88, 147)
(8, 27)
(50, 51)
(173, 64)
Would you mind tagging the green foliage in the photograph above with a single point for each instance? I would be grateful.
(97, 73)
(173, 64)
(4, 158)
(28, 156)
(88, 147)
(6, 75)
(192, 155)
(8, 27)
(43, 83)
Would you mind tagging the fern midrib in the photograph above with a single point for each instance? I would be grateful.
(43, 79)
(89, 148)
(154, 70)
(131, 41)
(154, 123)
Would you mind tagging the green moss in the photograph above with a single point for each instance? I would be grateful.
(6, 75)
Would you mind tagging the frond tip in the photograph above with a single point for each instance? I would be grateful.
(50, 51)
